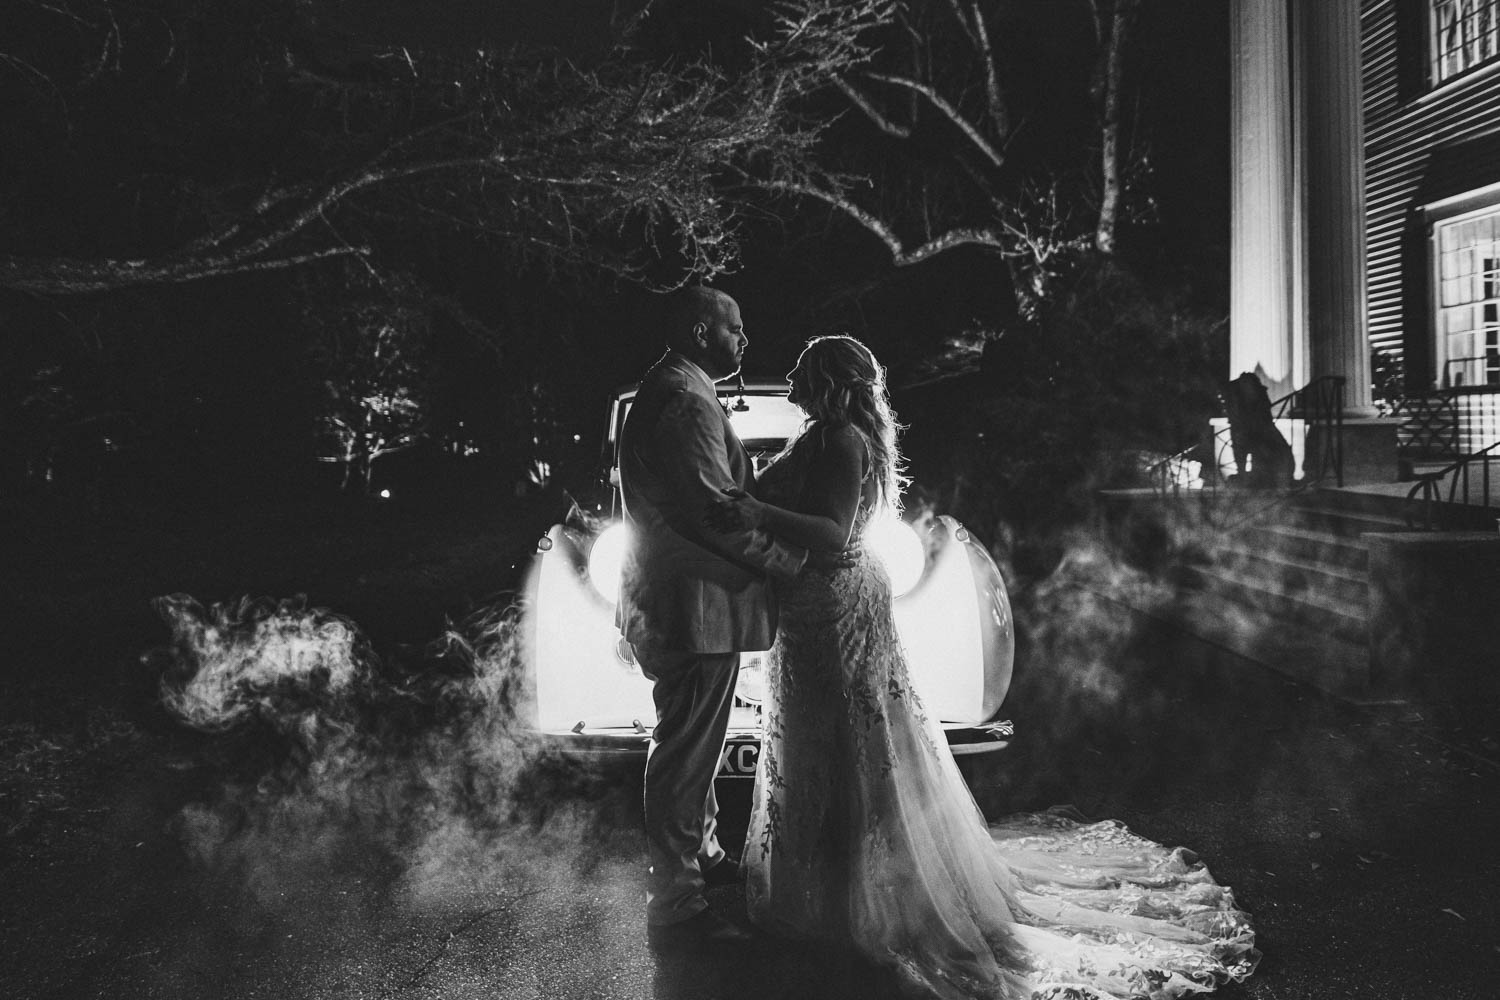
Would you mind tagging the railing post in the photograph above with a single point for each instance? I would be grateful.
(1338, 435)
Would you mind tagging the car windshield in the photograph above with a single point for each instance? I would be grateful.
(764, 421)
(763, 417)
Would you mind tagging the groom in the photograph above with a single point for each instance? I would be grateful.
(690, 601)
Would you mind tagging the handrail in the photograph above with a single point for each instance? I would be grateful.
(1428, 427)
(1319, 402)
(1160, 471)
(1429, 484)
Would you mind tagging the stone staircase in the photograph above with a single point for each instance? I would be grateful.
(1287, 585)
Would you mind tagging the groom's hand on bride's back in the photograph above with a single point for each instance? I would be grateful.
(829, 561)
(737, 512)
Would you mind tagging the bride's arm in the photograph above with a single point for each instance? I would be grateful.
(828, 504)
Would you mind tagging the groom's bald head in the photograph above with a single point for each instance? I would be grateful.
(703, 324)
(689, 307)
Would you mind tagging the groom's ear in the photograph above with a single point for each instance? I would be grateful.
(700, 331)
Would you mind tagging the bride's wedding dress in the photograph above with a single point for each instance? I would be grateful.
(863, 832)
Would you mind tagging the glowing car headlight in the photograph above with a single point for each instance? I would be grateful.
(896, 544)
(606, 559)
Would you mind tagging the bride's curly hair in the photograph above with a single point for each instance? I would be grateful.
(846, 387)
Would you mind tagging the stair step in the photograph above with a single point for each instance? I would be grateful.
(1344, 618)
(1292, 563)
(1353, 609)
(1293, 576)
(1308, 544)
(1333, 664)
(1349, 524)
(1373, 501)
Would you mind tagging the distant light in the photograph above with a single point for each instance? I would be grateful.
(385, 494)
(577, 438)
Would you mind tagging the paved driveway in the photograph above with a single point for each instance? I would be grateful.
(143, 862)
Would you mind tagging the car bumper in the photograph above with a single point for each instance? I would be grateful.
(604, 746)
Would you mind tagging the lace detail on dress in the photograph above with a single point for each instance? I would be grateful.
(863, 832)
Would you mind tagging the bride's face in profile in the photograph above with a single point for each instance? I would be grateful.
(797, 378)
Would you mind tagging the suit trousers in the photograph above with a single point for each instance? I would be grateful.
(694, 693)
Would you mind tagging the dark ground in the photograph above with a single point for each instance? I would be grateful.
(141, 860)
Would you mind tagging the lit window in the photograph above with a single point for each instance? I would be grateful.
(1465, 34)
(1468, 298)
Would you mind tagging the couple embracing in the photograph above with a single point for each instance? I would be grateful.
(862, 831)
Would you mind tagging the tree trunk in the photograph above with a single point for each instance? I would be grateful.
(1114, 63)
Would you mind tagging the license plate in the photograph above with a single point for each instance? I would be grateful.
(739, 759)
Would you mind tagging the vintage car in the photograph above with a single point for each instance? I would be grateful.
(590, 698)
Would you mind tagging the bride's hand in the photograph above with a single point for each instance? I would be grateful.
(739, 512)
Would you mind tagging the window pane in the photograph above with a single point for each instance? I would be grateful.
(1468, 292)
(1465, 34)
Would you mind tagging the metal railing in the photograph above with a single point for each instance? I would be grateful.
(1320, 403)
(1444, 425)
(1169, 476)
(1429, 426)
(1465, 488)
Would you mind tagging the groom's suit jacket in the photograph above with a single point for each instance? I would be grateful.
(683, 585)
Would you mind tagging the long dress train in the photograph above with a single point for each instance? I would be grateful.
(863, 832)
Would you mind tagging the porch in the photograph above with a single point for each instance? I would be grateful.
(1373, 580)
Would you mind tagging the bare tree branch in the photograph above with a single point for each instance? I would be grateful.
(611, 165)
(995, 101)
(878, 119)
(975, 137)
(963, 20)
(901, 254)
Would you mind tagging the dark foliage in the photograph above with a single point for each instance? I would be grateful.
(1112, 370)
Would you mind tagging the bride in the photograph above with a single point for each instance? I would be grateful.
(862, 831)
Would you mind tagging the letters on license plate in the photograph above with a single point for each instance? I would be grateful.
(739, 759)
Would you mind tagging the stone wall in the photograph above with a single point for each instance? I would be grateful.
(1434, 637)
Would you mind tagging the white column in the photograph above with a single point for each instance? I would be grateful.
(1262, 206)
(1339, 342)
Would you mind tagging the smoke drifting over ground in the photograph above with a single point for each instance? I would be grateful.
(1114, 703)
(331, 756)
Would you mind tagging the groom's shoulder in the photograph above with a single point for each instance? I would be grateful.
(668, 377)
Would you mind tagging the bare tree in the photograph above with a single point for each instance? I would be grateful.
(375, 387)
(935, 85)
(1112, 23)
(612, 161)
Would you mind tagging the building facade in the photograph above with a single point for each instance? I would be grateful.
(1432, 150)
(1412, 88)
